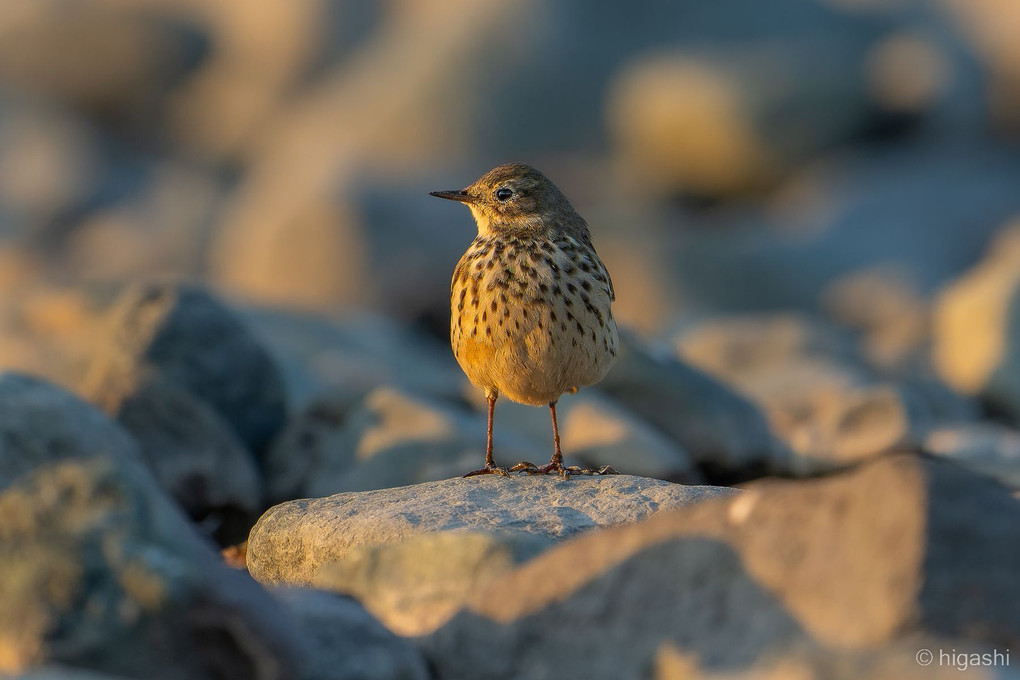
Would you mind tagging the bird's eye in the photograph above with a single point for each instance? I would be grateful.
(503, 193)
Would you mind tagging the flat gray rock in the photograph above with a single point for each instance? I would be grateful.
(294, 540)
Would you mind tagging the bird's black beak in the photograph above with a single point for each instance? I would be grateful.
(457, 195)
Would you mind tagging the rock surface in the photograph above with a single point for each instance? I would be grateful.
(346, 642)
(100, 569)
(899, 549)
(201, 394)
(413, 553)
(189, 338)
(194, 454)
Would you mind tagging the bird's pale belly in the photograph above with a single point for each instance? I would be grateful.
(530, 358)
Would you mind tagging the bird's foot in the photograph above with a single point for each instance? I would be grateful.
(560, 469)
(491, 470)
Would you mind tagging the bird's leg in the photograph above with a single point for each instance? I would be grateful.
(490, 465)
(555, 463)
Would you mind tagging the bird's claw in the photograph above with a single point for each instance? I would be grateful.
(490, 470)
(560, 469)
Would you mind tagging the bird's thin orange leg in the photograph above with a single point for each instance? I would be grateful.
(490, 466)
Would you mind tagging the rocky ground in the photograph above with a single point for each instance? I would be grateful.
(232, 430)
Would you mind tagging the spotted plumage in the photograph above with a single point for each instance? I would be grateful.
(533, 263)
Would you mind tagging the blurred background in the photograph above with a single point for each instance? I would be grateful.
(813, 202)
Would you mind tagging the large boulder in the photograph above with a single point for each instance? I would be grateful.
(902, 552)
(346, 642)
(413, 554)
(187, 336)
(174, 354)
(100, 568)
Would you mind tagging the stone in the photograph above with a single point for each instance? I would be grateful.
(820, 396)
(346, 642)
(987, 447)
(393, 437)
(976, 333)
(292, 541)
(898, 551)
(414, 586)
(719, 428)
(188, 337)
(100, 570)
(350, 356)
(196, 456)
(42, 424)
(891, 315)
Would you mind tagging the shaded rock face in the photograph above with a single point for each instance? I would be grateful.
(188, 337)
(412, 554)
(198, 391)
(99, 568)
(900, 551)
(346, 643)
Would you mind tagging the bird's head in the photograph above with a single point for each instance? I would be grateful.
(513, 198)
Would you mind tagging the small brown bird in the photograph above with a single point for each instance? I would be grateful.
(530, 301)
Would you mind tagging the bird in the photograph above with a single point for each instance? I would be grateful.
(530, 302)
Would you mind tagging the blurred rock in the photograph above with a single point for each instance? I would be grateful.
(896, 661)
(416, 585)
(184, 335)
(728, 121)
(990, 26)
(977, 327)
(49, 330)
(101, 571)
(49, 163)
(719, 428)
(820, 397)
(985, 447)
(351, 356)
(43, 425)
(293, 541)
(104, 59)
(347, 643)
(738, 584)
(148, 221)
(392, 438)
(597, 431)
(257, 61)
(196, 456)
(891, 315)
(923, 211)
